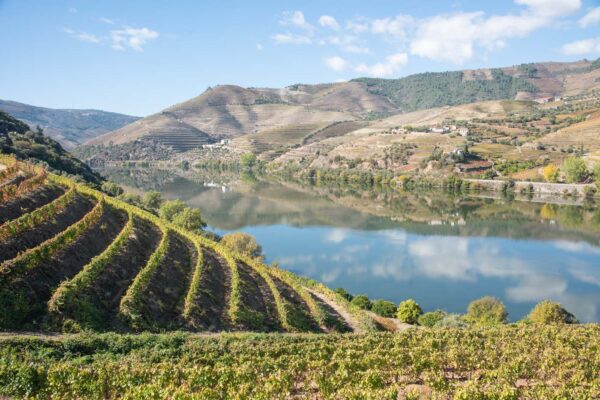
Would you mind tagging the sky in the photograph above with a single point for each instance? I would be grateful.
(138, 57)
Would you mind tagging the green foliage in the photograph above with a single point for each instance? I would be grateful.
(190, 219)
(344, 293)
(111, 189)
(362, 301)
(486, 311)
(384, 308)
(596, 173)
(428, 90)
(152, 200)
(430, 319)
(548, 312)
(452, 321)
(170, 208)
(557, 362)
(409, 311)
(18, 139)
(242, 243)
(575, 169)
(248, 161)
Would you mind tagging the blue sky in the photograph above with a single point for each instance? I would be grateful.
(138, 57)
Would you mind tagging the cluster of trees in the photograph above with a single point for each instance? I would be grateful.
(175, 211)
(575, 171)
(486, 311)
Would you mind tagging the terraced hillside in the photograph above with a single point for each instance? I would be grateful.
(73, 258)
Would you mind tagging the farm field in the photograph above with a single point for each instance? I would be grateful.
(509, 362)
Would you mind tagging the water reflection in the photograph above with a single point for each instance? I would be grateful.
(442, 250)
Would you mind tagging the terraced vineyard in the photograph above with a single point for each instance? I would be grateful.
(73, 258)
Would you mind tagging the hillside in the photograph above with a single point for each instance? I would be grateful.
(69, 127)
(73, 258)
(271, 121)
(18, 139)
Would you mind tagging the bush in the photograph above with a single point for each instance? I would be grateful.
(362, 301)
(111, 189)
(486, 311)
(248, 161)
(152, 200)
(548, 312)
(430, 319)
(575, 169)
(384, 308)
(190, 219)
(170, 208)
(243, 243)
(409, 311)
(551, 173)
(452, 321)
(344, 293)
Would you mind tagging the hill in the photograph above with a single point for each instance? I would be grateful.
(73, 258)
(18, 139)
(271, 121)
(69, 127)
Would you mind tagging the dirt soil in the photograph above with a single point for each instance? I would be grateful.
(18, 206)
(299, 315)
(257, 297)
(72, 213)
(340, 311)
(213, 297)
(169, 285)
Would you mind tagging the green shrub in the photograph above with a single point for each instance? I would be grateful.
(548, 312)
(384, 308)
(243, 243)
(575, 169)
(152, 200)
(190, 219)
(486, 311)
(430, 319)
(362, 301)
(452, 321)
(344, 293)
(409, 311)
(111, 189)
(170, 208)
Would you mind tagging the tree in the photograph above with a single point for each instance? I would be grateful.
(152, 200)
(575, 169)
(189, 218)
(597, 175)
(243, 243)
(384, 308)
(170, 208)
(111, 189)
(430, 319)
(550, 173)
(486, 311)
(362, 301)
(248, 160)
(409, 311)
(548, 312)
(344, 293)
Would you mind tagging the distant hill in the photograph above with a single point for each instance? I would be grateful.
(17, 139)
(266, 120)
(69, 127)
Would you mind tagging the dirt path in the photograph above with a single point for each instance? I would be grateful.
(350, 320)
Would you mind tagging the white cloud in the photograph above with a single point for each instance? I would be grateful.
(396, 27)
(83, 36)
(259, 46)
(296, 19)
(328, 21)
(107, 21)
(454, 37)
(591, 18)
(336, 63)
(337, 235)
(586, 46)
(358, 26)
(389, 67)
(288, 38)
(133, 38)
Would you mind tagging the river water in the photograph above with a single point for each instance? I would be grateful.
(440, 249)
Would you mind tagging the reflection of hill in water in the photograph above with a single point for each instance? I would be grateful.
(229, 203)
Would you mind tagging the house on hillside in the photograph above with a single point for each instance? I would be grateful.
(437, 129)
(544, 100)
(463, 131)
